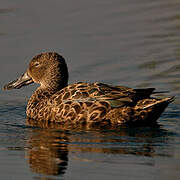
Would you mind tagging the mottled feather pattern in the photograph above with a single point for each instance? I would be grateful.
(90, 105)
(84, 104)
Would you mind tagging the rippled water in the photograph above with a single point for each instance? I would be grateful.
(133, 43)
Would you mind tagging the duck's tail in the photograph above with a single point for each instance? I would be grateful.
(158, 103)
(147, 111)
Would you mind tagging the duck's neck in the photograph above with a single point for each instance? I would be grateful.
(44, 93)
(39, 100)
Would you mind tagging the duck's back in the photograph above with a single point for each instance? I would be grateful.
(97, 104)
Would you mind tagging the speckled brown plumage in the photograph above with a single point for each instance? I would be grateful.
(84, 104)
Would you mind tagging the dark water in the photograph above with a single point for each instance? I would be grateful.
(133, 43)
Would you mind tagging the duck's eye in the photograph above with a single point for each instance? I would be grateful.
(36, 64)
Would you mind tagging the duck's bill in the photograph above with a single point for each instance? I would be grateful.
(24, 80)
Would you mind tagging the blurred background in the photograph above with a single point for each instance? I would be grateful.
(135, 43)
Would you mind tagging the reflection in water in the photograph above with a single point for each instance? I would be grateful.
(49, 148)
(47, 153)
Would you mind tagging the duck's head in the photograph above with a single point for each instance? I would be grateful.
(47, 69)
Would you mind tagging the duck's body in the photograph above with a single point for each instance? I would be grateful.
(84, 104)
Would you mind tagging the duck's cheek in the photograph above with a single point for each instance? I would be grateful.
(36, 78)
(33, 76)
(36, 81)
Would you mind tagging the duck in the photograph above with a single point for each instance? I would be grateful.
(84, 104)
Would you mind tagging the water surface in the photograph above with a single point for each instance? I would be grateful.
(133, 43)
